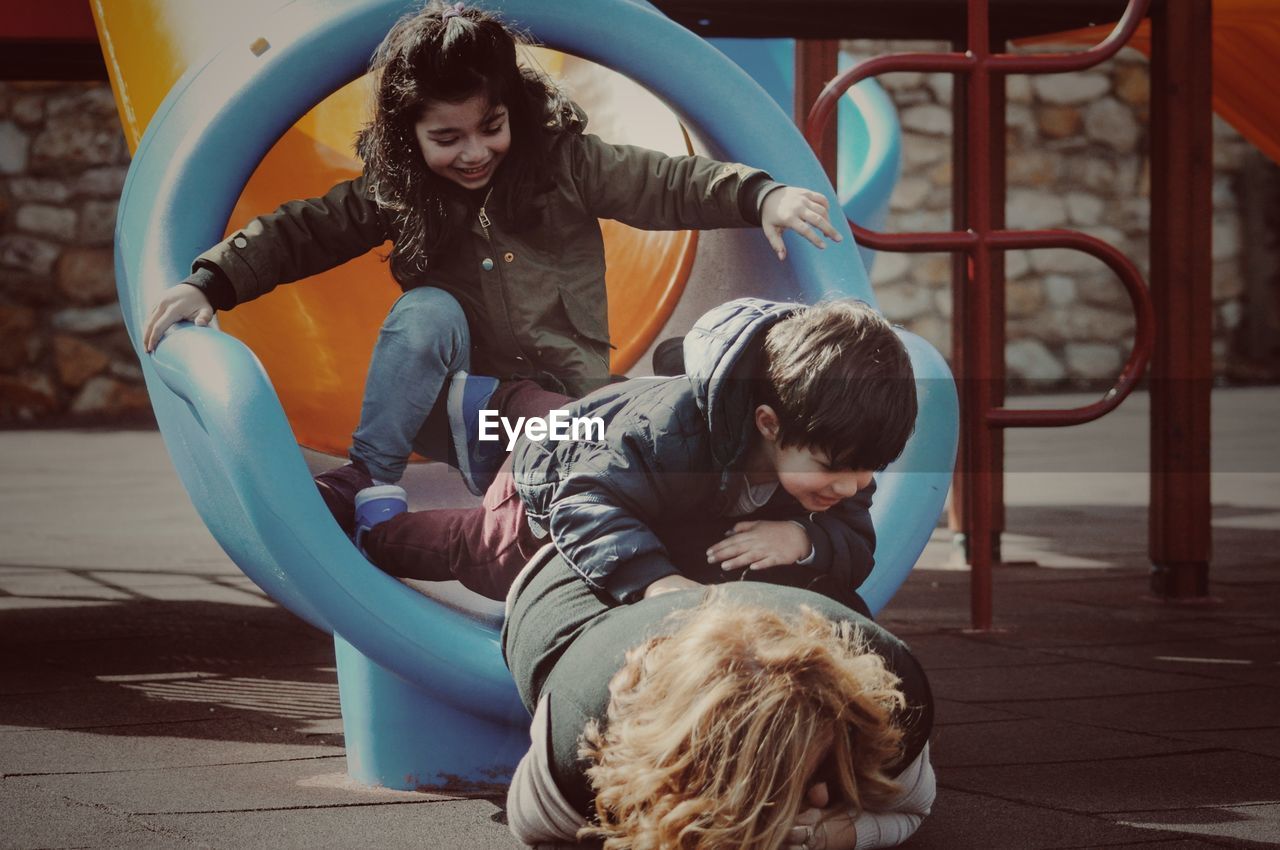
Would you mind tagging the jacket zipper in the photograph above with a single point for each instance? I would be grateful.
(484, 217)
(484, 225)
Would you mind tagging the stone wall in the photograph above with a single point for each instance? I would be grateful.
(63, 351)
(1077, 159)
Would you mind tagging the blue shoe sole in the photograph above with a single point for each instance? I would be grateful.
(477, 470)
(374, 506)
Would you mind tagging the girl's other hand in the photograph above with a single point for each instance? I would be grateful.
(804, 211)
(182, 302)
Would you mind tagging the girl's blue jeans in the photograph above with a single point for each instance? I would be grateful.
(423, 341)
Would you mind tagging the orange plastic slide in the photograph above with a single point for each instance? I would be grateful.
(1246, 64)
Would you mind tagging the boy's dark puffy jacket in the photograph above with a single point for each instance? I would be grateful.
(670, 447)
(535, 299)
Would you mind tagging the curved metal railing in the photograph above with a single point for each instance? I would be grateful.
(978, 64)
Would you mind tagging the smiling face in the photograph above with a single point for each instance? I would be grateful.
(464, 142)
(806, 473)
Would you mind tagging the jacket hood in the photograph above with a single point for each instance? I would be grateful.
(722, 355)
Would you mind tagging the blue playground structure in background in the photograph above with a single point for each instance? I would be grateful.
(426, 699)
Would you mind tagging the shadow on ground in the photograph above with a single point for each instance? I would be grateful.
(143, 667)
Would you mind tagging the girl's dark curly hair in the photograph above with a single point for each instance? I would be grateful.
(428, 56)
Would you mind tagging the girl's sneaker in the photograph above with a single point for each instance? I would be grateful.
(376, 505)
(478, 461)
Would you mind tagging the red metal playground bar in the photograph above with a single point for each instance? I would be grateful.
(1171, 319)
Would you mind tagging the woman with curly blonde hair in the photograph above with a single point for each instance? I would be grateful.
(751, 717)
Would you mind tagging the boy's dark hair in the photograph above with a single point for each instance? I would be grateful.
(841, 382)
(429, 57)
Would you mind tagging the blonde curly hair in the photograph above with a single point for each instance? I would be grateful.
(708, 729)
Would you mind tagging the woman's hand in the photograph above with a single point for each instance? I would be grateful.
(758, 544)
(801, 210)
(808, 830)
(821, 826)
(183, 301)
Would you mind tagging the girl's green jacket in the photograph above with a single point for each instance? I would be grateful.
(535, 298)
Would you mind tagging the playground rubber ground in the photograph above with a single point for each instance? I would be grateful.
(151, 697)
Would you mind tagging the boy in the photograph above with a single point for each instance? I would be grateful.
(757, 463)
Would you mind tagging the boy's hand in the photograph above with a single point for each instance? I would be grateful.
(801, 210)
(760, 544)
(670, 583)
(183, 301)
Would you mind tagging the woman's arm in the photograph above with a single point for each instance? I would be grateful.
(537, 813)
(826, 829)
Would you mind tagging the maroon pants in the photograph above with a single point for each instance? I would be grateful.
(485, 547)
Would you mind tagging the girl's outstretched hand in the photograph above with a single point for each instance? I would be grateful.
(183, 301)
(801, 210)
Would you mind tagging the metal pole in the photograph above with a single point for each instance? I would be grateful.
(1181, 289)
(983, 314)
(817, 62)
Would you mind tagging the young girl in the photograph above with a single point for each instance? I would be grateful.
(481, 175)
(748, 717)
